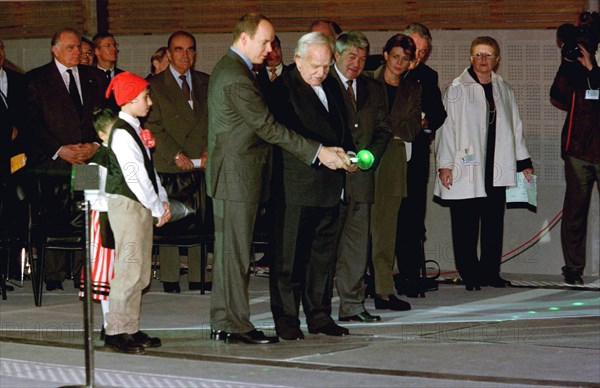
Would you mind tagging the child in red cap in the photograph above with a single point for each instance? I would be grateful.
(135, 196)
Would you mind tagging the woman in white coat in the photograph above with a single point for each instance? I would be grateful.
(479, 150)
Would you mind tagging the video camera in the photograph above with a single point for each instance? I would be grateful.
(587, 33)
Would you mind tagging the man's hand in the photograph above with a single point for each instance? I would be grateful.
(334, 158)
(89, 150)
(586, 59)
(166, 215)
(203, 159)
(74, 153)
(445, 175)
(183, 162)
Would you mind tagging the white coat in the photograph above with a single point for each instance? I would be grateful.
(460, 143)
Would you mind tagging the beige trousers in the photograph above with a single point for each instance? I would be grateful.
(132, 227)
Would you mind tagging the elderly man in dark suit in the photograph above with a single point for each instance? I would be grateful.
(304, 243)
(179, 122)
(411, 217)
(61, 98)
(366, 111)
(241, 132)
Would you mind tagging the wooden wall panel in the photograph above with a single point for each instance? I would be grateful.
(31, 19)
(39, 19)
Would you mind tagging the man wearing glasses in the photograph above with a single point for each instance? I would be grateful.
(106, 50)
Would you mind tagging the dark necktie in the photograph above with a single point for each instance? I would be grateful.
(350, 92)
(186, 88)
(74, 92)
(4, 99)
(108, 75)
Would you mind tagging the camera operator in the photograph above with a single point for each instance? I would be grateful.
(576, 90)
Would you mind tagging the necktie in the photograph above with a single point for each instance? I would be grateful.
(186, 88)
(273, 71)
(74, 92)
(108, 74)
(350, 92)
(4, 99)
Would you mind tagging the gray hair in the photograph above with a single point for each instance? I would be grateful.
(349, 39)
(311, 39)
(418, 28)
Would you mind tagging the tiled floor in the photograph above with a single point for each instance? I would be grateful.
(518, 336)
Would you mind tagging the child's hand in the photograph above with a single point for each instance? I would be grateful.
(166, 215)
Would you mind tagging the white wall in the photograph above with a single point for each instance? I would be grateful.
(530, 59)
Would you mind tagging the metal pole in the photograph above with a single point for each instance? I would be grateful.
(87, 303)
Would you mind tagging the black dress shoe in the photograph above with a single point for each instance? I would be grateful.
(330, 328)
(146, 340)
(496, 282)
(392, 304)
(124, 343)
(218, 335)
(472, 287)
(574, 279)
(52, 285)
(254, 336)
(171, 287)
(289, 333)
(362, 317)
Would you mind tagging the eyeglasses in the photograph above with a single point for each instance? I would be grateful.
(109, 45)
(479, 56)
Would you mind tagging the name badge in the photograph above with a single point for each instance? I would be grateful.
(592, 94)
(468, 160)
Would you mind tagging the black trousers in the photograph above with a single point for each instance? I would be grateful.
(303, 264)
(471, 218)
(411, 217)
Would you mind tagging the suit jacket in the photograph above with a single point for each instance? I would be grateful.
(404, 119)
(431, 98)
(297, 106)
(369, 128)
(174, 124)
(264, 78)
(53, 120)
(241, 131)
(16, 114)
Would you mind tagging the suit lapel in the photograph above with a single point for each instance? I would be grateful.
(362, 93)
(175, 94)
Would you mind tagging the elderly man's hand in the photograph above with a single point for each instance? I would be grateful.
(334, 158)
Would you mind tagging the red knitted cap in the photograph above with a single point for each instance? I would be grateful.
(126, 86)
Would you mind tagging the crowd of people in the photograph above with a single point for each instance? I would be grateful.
(257, 134)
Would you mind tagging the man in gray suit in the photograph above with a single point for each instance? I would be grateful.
(179, 123)
(241, 132)
(366, 111)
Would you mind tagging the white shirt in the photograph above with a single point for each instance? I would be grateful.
(188, 78)
(62, 69)
(322, 96)
(131, 161)
(4, 85)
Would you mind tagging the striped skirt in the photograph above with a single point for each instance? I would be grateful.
(103, 260)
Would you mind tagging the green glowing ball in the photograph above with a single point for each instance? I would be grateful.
(365, 159)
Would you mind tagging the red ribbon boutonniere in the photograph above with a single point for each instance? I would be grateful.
(147, 138)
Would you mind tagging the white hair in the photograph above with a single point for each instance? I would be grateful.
(311, 39)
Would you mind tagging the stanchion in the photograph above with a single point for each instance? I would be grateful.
(86, 178)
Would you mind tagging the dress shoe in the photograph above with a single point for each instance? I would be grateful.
(496, 282)
(392, 304)
(218, 335)
(330, 328)
(146, 340)
(124, 343)
(472, 287)
(252, 337)
(52, 285)
(171, 287)
(573, 279)
(289, 333)
(362, 317)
